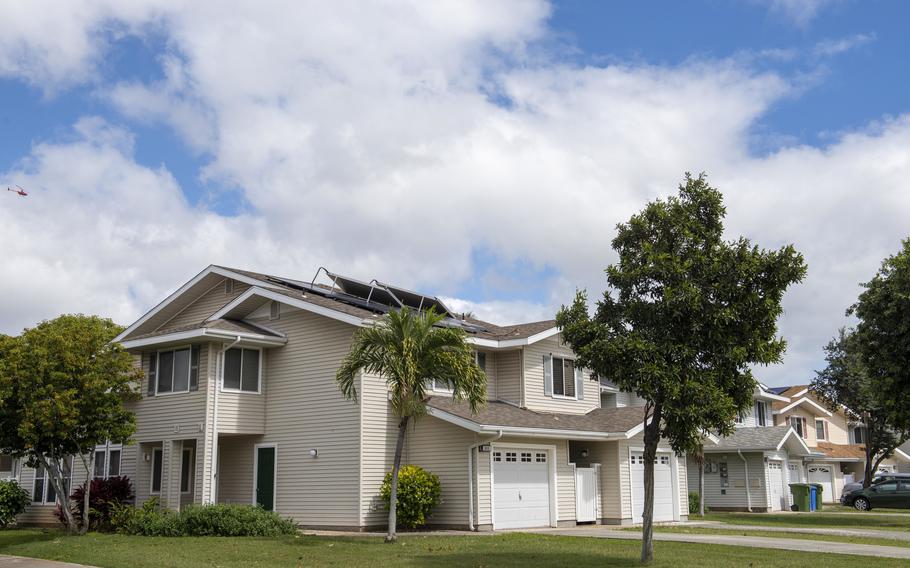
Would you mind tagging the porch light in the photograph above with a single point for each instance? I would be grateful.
(584, 453)
(313, 452)
(484, 448)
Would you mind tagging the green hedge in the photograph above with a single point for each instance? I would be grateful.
(693, 503)
(419, 493)
(13, 502)
(200, 520)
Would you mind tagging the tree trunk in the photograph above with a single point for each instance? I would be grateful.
(89, 466)
(867, 443)
(53, 476)
(393, 498)
(652, 437)
(701, 484)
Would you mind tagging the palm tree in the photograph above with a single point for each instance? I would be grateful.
(409, 350)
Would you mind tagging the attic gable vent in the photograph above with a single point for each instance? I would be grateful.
(274, 310)
(228, 286)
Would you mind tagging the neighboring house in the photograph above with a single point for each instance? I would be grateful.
(239, 405)
(835, 438)
(752, 469)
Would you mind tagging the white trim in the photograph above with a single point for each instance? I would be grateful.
(294, 302)
(205, 333)
(800, 393)
(801, 401)
(507, 343)
(902, 453)
(258, 378)
(211, 269)
(256, 472)
(526, 431)
(552, 475)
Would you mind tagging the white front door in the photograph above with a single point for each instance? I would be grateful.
(776, 484)
(521, 488)
(663, 487)
(823, 474)
(585, 494)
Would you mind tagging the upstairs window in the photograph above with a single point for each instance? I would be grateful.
(799, 424)
(563, 377)
(821, 429)
(858, 435)
(174, 370)
(760, 416)
(242, 367)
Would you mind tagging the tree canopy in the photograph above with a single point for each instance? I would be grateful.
(63, 386)
(685, 316)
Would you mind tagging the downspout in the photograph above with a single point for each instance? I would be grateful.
(471, 478)
(748, 493)
(218, 373)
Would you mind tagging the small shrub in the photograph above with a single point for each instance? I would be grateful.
(693, 503)
(200, 520)
(13, 502)
(418, 494)
(104, 494)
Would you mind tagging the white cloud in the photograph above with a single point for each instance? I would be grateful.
(364, 138)
(800, 12)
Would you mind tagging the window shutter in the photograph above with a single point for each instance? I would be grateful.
(194, 368)
(548, 375)
(153, 373)
(579, 384)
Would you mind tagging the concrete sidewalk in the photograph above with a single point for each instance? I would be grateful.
(864, 533)
(737, 540)
(22, 562)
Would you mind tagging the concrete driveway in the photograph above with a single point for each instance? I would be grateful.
(21, 562)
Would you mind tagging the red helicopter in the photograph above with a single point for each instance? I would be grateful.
(20, 191)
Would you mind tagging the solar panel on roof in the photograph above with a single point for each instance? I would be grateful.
(417, 300)
(365, 291)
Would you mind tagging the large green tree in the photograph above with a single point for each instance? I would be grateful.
(684, 318)
(409, 350)
(845, 382)
(63, 386)
(868, 370)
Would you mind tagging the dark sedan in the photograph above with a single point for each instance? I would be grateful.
(892, 493)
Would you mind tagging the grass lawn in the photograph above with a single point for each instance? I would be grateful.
(868, 520)
(776, 534)
(507, 550)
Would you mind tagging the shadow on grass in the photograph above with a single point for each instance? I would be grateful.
(21, 536)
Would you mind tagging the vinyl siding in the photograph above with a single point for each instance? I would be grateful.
(305, 410)
(508, 376)
(607, 455)
(442, 448)
(241, 413)
(535, 398)
(178, 415)
(235, 469)
(490, 371)
(379, 432)
(735, 497)
(207, 304)
(750, 420)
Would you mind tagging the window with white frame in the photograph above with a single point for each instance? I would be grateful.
(156, 470)
(799, 424)
(43, 491)
(6, 464)
(107, 461)
(760, 413)
(174, 370)
(563, 377)
(242, 367)
(186, 470)
(481, 359)
(821, 429)
(857, 434)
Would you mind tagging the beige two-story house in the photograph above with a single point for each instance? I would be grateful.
(239, 405)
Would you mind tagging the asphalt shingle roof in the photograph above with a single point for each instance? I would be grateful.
(218, 324)
(756, 438)
(600, 420)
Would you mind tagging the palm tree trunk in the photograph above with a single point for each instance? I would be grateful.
(393, 498)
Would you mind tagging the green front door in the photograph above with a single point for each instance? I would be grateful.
(265, 478)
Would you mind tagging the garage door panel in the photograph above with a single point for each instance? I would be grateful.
(521, 488)
(663, 487)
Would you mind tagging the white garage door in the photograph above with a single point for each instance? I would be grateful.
(823, 474)
(521, 488)
(663, 487)
(776, 484)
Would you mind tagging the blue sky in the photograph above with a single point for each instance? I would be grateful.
(157, 139)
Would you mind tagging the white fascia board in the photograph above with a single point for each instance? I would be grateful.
(902, 454)
(522, 431)
(203, 333)
(211, 269)
(803, 400)
(507, 343)
(799, 394)
(297, 303)
(765, 394)
(802, 443)
(605, 388)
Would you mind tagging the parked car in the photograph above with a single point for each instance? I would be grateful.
(858, 485)
(890, 493)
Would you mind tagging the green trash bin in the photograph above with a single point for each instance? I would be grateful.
(819, 490)
(800, 493)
